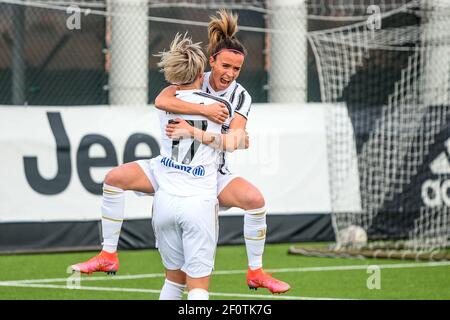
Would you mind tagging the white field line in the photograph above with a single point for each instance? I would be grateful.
(90, 278)
(38, 283)
(228, 272)
(364, 267)
(112, 289)
(53, 286)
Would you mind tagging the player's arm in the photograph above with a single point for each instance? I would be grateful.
(237, 136)
(233, 140)
(167, 101)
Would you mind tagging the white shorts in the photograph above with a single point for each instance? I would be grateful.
(223, 180)
(148, 167)
(186, 231)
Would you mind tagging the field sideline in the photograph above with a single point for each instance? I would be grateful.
(43, 276)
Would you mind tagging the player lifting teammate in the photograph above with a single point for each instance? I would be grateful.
(226, 57)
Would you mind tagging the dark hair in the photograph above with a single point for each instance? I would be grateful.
(221, 33)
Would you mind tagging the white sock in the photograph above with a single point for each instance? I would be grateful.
(198, 294)
(113, 204)
(171, 291)
(255, 236)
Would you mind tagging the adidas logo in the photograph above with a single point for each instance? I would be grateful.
(441, 165)
(435, 192)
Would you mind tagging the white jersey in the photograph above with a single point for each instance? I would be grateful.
(185, 166)
(240, 101)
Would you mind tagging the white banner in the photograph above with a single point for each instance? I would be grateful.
(53, 160)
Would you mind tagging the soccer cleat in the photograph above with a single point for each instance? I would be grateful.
(103, 262)
(259, 279)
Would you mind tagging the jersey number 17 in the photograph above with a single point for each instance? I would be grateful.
(187, 159)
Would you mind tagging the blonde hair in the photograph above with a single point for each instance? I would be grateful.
(184, 61)
(221, 33)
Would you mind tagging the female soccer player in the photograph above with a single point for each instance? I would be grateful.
(184, 177)
(185, 205)
(226, 57)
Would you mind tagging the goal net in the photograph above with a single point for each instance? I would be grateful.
(392, 72)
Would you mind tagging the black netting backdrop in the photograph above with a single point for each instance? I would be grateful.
(42, 62)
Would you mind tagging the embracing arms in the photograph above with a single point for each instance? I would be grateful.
(236, 138)
(167, 101)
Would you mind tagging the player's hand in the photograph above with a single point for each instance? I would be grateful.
(247, 140)
(244, 140)
(241, 139)
(216, 112)
(178, 128)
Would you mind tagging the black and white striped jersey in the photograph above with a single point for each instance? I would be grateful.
(239, 98)
(241, 102)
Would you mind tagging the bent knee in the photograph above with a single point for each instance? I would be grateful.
(254, 200)
(115, 178)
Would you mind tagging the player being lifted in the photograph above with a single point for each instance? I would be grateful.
(184, 178)
(226, 57)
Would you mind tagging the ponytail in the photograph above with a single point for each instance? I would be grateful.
(221, 33)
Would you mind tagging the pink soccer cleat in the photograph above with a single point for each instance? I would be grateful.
(259, 279)
(103, 262)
